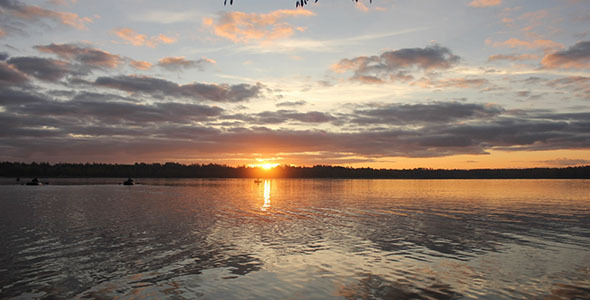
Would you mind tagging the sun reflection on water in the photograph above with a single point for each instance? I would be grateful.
(266, 204)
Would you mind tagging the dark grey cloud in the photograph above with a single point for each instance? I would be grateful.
(419, 114)
(575, 57)
(150, 131)
(91, 108)
(395, 65)
(9, 76)
(291, 103)
(197, 91)
(16, 97)
(42, 68)
(86, 55)
(282, 116)
(101, 126)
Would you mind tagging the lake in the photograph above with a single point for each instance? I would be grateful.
(295, 239)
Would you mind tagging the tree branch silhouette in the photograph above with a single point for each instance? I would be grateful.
(297, 3)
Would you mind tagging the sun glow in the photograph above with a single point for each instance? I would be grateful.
(268, 166)
(264, 166)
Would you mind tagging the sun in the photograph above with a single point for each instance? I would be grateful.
(268, 166)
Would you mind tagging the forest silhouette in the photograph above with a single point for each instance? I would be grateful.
(176, 170)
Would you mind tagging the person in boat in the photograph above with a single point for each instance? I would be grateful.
(35, 181)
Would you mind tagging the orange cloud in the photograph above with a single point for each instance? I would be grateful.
(33, 12)
(575, 57)
(362, 7)
(83, 54)
(141, 65)
(534, 19)
(178, 63)
(485, 3)
(512, 57)
(535, 44)
(137, 39)
(243, 27)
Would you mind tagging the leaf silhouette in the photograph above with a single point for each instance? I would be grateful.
(297, 3)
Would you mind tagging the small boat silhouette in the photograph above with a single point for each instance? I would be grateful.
(257, 181)
(35, 181)
(129, 181)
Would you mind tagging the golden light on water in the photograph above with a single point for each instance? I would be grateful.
(266, 204)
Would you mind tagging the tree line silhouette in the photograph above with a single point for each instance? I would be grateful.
(176, 170)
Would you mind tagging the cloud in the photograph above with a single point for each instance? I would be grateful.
(485, 3)
(179, 63)
(197, 91)
(416, 114)
(91, 57)
(575, 57)
(283, 116)
(15, 97)
(140, 65)
(291, 103)
(535, 44)
(451, 82)
(512, 57)
(361, 6)
(391, 63)
(10, 76)
(98, 126)
(567, 162)
(42, 68)
(131, 37)
(63, 2)
(107, 110)
(162, 16)
(241, 27)
(579, 86)
(25, 12)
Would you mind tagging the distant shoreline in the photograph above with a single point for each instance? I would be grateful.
(175, 170)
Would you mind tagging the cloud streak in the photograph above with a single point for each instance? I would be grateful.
(42, 68)
(180, 63)
(574, 57)
(156, 87)
(98, 124)
(394, 65)
(91, 57)
(485, 3)
(241, 27)
(131, 37)
(33, 13)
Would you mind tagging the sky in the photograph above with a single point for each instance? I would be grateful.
(388, 84)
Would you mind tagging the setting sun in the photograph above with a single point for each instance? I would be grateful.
(265, 166)
(268, 166)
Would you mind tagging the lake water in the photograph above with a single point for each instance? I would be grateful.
(296, 239)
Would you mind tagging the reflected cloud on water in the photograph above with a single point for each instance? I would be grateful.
(355, 239)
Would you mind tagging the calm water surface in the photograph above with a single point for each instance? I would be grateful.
(296, 239)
